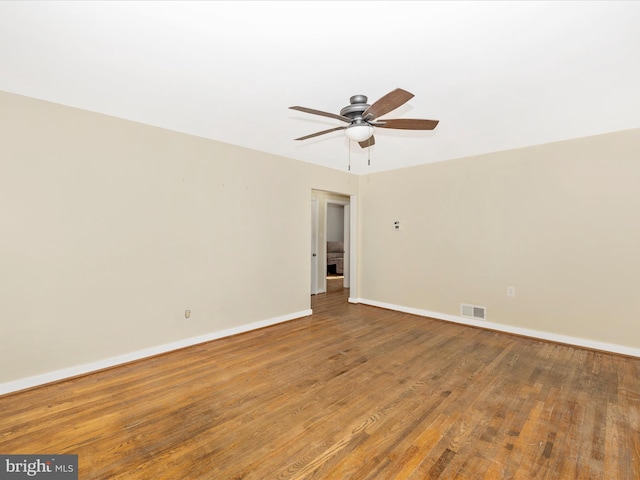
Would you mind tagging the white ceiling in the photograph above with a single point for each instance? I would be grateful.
(498, 75)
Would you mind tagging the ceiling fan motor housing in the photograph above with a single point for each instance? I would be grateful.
(356, 108)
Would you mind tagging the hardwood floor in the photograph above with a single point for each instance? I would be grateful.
(351, 392)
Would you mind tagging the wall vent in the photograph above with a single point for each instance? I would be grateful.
(473, 311)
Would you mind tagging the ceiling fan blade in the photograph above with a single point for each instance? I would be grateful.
(368, 142)
(321, 133)
(319, 112)
(408, 124)
(390, 101)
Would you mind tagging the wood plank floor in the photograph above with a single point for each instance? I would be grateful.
(351, 392)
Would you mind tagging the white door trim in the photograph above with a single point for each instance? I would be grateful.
(353, 250)
(314, 246)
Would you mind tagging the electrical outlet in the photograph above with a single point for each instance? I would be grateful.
(396, 225)
(511, 291)
(187, 313)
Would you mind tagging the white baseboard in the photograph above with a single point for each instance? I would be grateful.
(542, 335)
(139, 354)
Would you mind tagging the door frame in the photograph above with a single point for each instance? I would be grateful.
(314, 245)
(353, 243)
(353, 250)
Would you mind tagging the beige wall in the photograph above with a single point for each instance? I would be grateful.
(559, 222)
(110, 229)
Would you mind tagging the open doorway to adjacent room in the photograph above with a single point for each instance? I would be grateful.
(332, 246)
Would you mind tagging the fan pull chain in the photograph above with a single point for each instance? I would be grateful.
(369, 153)
(349, 149)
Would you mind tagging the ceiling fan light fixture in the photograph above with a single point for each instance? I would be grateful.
(359, 133)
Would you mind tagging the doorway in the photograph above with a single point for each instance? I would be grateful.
(332, 241)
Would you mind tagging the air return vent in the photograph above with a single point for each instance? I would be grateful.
(473, 311)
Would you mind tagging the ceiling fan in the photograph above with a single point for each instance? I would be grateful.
(362, 117)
